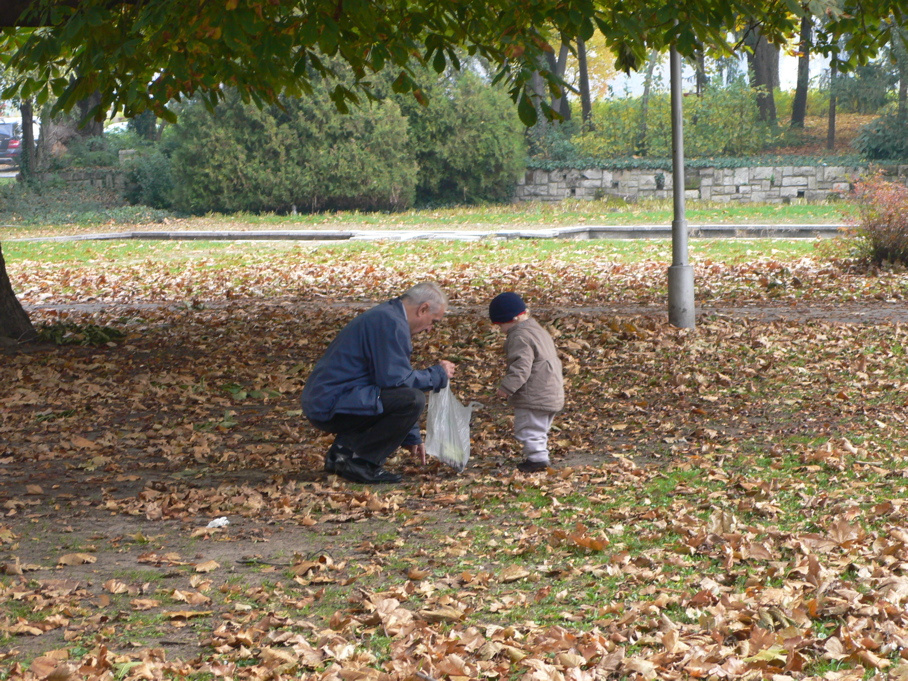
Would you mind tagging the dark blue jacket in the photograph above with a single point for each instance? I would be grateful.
(370, 353)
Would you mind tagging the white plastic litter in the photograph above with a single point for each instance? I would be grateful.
(219, 522)
(448, 429)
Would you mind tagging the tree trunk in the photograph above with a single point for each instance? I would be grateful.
(87, 126)
(763, 62)
(586, 104)
(644, 101)
(28, 162)
(14, 322)
(903, 96)
(799, 104)
(830, 132)
(901, 60)
(702, 78)
(560, 104)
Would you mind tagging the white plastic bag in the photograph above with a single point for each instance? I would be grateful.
(448, 429)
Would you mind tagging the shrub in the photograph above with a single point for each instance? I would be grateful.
(618, 129)
(86, 152)
(468, 142)
(302, 154)
(882, 223)
(884, 138)
(866, 90)
(149, 179)
(554, 141)
(616, 125)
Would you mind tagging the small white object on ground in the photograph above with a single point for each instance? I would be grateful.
(219, 522)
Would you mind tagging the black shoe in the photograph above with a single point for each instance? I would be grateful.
(532, 466)
(335, 453)
(365, 472)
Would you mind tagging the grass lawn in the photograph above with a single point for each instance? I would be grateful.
(90, 214)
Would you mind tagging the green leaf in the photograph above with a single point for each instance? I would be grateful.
(439, 62)
(526, 110)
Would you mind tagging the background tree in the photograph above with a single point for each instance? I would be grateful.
(799, 103)
(583, 75)
(763, 67)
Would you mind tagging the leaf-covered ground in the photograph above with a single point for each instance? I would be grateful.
(726, 502)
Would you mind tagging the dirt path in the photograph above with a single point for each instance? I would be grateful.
(865, 312)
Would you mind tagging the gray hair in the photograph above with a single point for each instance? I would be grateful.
(426, 292)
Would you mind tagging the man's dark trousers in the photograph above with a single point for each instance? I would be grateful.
(376, 437)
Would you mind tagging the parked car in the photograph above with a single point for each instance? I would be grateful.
(10, 143)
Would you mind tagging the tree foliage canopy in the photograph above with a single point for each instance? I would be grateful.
(142, 54)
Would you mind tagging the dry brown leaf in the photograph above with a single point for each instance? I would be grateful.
(77, 559)
(144, 603)
(443, 614)
(513, 573)
(207, 566)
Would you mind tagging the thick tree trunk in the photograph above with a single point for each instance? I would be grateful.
(586, 103)
(799, 104)
(14, 322)
(87, 126)
(763, 62)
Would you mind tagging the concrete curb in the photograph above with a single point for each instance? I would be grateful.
(578, 232)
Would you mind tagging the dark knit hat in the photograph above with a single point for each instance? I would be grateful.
(505, 307)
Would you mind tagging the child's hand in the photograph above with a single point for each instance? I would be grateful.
(502, 394)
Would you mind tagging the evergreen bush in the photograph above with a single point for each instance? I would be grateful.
(303, 154)
(885, 138)
(468, 142)
(149, 180)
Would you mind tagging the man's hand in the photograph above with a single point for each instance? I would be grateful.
(418, 450)
(502, 394)
(449, 367)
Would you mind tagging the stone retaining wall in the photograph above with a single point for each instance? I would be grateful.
(770, 184)
(105, 178)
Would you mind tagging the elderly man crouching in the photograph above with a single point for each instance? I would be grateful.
(365, 390)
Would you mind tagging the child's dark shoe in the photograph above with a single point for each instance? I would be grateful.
(532, 466)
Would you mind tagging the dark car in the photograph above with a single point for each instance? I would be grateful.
(10, 143)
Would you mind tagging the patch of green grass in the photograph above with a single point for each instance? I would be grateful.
(214, 255)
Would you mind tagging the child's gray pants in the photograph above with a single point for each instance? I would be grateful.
(531, 428)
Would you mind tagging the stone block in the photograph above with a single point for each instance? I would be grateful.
(794, 181)
(536, 190)
(761, 172)
(742, 176)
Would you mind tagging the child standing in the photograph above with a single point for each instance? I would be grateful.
(533, 382)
